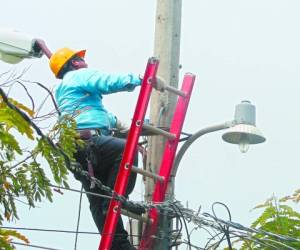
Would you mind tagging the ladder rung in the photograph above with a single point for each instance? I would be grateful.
(174, 90)
(142, 218)
(147, 173)
(159, 131)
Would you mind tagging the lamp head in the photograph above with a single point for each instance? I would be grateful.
(15, 46)
(244, 132)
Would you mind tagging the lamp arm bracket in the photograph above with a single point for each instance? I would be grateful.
(230, 124)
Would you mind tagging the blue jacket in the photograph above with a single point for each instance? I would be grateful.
(80, 95)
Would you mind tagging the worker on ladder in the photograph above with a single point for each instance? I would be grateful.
(80, 94)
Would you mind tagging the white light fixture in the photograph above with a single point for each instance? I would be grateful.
(15, 46)
(241, 131)
(244, 132)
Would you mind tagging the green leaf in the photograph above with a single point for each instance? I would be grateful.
(12, 119)
(9, 140)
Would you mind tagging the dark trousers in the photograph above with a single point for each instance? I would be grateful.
(106, 157)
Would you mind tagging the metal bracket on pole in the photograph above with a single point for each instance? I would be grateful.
(155, 177)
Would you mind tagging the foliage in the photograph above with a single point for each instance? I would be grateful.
(277, 218)
(295, 197)
(21, 172)
(5, 238)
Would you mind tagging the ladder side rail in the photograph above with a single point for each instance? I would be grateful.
(166, 166)
(171, 145)
(129, 154)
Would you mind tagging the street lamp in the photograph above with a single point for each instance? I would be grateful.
(242, 131)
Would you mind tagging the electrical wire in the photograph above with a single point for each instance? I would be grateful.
(185, 225)
(78, 218)
(193, 246)
(48, 230)
(84, 192)
(59, 231)
(180, 229)
(34, 246)
(212, 238)
(194, 229)
(178, 217)
(202, 221)
(225, 228)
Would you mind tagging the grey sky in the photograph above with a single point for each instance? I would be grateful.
(237, 49)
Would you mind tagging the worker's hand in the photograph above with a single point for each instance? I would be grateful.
(159, 84)
(40, 45)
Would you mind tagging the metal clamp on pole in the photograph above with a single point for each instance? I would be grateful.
(159, 131)
(142, 218)
(147, 174)
(175, 91)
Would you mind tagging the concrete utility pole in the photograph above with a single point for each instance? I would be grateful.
(167, 49)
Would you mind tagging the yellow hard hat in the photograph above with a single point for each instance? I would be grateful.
(61, 57)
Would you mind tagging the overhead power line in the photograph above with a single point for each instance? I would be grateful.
(78, 218)
(49, 230)
(34, 246)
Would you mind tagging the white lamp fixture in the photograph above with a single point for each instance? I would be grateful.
(244, 132)
(241, 131)
(15, 46)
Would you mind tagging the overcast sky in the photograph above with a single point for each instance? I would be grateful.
(237, 49)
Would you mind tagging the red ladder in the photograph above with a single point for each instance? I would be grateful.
(130, 150)
(167, 161)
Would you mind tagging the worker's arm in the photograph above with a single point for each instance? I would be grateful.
(109, 83)
(40, 44)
